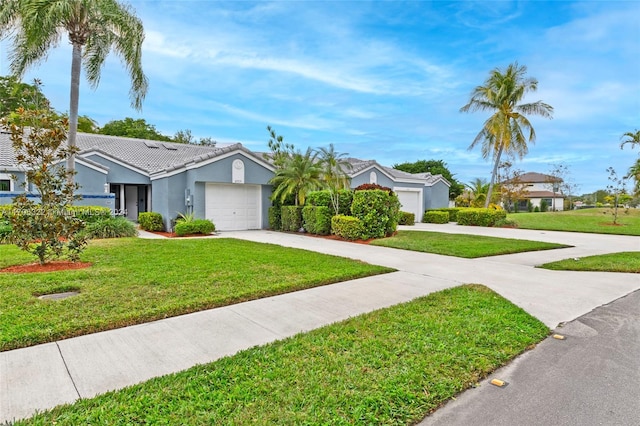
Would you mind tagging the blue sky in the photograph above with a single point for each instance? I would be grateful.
(379, 80)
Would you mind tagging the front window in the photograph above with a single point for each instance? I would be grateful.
(5, 185)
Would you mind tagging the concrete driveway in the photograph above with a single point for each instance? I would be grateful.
(43, 376)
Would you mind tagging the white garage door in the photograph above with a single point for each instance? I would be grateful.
(410, 202)
(233, 207)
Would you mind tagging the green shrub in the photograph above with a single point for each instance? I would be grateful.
(275, 218)
(5, 230)
(291, 218)
(347, 227)
(480, 217)
(452, 211)
(435, 216)
(196, 226)
(544, 206)
(90, 214)
(378, 210)
(151, 221)
(323, 198)
(317, 219)
(5, 209)
(536, 209)
(407, 218)
(113, 227)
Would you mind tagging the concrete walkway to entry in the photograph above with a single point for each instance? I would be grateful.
(46, 375)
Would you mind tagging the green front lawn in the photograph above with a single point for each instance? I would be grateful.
(136, 280)
(598, 221)
(391, 366)
(460, 245)
(614, 262)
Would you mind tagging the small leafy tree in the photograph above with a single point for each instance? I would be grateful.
(512, 189)
(335, 168)
(615, 188)
(48, 229)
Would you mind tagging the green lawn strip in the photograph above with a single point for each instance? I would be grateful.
(391, 366)
(461, 245)
(598, 221)
(135, 280)
(614, 262)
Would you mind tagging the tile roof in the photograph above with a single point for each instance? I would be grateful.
(533, 177)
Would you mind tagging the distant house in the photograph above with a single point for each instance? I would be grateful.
(228, 184)
(536, 188)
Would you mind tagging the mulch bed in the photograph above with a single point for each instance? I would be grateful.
(53, 266)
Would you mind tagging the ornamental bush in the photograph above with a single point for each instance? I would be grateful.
(347, 227)
(435, 216)
(196, 226)
(275, 218)
(151, 221)
(480, 217)
(323, 198)
(91, 214)
(317, 219)
(378, 210)
(113, 227)
(407, 218)
(291, 218)
(452, 211)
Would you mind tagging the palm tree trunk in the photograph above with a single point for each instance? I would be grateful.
(74, 97)
(493, 177)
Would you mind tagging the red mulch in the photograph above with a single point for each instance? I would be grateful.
(56, 265)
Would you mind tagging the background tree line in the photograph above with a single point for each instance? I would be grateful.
(15, 93)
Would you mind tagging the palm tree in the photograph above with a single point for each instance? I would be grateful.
(634, 173)
(504, 131)
(631, 137)
(299, 175)
(335, 169)
(478, 188)
(94, 28)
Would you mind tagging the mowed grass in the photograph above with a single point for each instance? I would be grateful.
(598, 221)
(461, 245)
(615, 262)
(135, 281)
(391, 366)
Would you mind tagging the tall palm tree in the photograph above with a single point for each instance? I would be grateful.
(505, 131)
(335, 169)
(299, 175)
(631, 137)
(94, 27)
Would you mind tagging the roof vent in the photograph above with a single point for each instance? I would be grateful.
(151, 144)
(170, 146)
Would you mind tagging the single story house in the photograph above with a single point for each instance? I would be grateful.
(228, 184)
(539, 187)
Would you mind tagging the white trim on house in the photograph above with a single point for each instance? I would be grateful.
(373, 166)
(7, 176)
(112, 159)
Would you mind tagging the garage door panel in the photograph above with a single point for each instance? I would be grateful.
(233, 207)
(410, 202)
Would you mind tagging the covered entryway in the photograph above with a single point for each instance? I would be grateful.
(233, 207)
(411, 201)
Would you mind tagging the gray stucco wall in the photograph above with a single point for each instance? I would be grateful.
(120, 174)
(167, 197)
(364, 177)
(436, 196)
(91, 180)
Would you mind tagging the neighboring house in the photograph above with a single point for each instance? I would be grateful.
(227, 184)
(537, 187)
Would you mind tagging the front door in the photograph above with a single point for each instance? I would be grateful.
(131, 201)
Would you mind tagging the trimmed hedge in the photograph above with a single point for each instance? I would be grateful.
(317, 219)
(323, 198)
(275, 218)
(151, 221)
(291, 218)
(434, 216)
(407, 218)
(347, 227)
(452, 211)
(378, 210)
(91, 214)
(481, 217)
(196, 226)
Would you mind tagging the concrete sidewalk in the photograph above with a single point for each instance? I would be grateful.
(43, 376)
